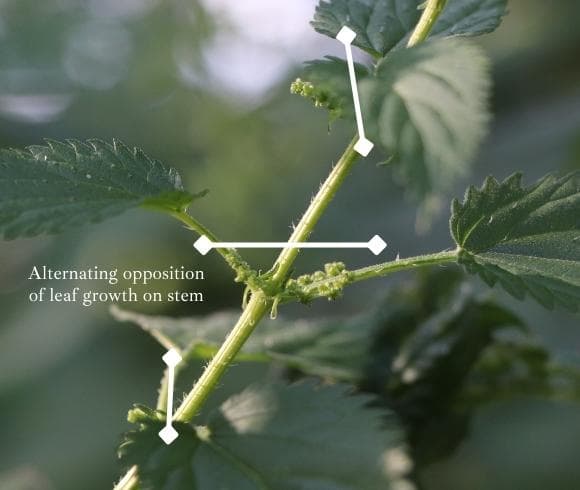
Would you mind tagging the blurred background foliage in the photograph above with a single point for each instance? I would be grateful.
(203, 86)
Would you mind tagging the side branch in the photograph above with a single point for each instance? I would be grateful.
(230, 255)
(308, 288)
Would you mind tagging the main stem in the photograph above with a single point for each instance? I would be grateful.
(316, 209)
(432, 11)
(255, 310)
(259, 304)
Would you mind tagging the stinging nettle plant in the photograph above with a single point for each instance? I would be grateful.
(425, 97)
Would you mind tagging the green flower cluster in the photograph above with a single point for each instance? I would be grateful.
(328, 283)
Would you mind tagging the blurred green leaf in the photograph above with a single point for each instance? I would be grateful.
(442, 351)
(48, 189)
(24, 478)
(430, 335)
(519, 367)
(295, 437)
(382, 25)
(335, 349)
(426, 106)
(439, 353)
(526, 239)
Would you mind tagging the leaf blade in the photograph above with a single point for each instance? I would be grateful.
(328, 348)
(383, 25)
(525, 239)
(432, 110)
(427, 107)
(270, 436)
(52, 188)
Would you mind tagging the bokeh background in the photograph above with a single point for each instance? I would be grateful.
(203, 86)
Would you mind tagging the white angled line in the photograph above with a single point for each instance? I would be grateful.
(376, 245)
(168, 433)
(363, 146)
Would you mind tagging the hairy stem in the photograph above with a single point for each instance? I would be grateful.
(433, 9)
(251, 316)
(230, 255)
(318, 289)
(316, 209)
(387, 268)
(130, 481)
(162, 395)
(259, 304)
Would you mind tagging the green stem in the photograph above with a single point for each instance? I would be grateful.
(130, 481)
(230, 255)
(433, 9)
(317, 289)
(259, 304)
(316, 209)
(387, 268)
(251, 316)
(163, 389)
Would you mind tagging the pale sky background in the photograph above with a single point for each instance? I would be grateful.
(257, 44)
(265, 40)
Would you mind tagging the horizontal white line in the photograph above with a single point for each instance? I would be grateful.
(290, 245)
(376, 245)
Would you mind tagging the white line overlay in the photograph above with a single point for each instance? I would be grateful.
(172, 359)
(376, 245)
(363, 146)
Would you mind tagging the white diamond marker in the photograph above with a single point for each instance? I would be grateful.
(172, 359)
(203, 245)
(168, 434)
(363, 146)
(376, 245)
(346, 36)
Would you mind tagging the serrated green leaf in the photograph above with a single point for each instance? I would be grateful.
(426, 106)
(469, 18)
(429, 105)
(526, 239)
(49, 189)
(298, 437)
(328, 348)
(382, 25)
